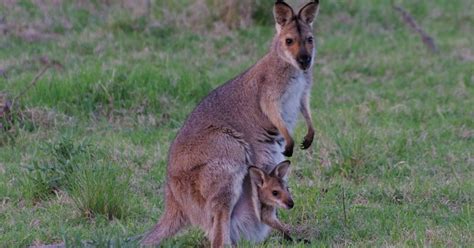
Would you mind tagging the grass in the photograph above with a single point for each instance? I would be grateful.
(99, 190)
(84, 162)
(43, 178)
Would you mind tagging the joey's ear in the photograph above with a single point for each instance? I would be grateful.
(309, 12)
(283, 14)
(257, 175)
(282, 169)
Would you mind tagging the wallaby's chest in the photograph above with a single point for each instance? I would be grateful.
(291, 100)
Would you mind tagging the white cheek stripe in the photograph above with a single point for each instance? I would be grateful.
(290, 59)
(278, 28)
(313, 53)
(281, 204)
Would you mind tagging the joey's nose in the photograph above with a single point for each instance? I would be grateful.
(290, 204)
(304, 61)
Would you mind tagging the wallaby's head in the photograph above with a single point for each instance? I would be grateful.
(272, 189)
(294, 38)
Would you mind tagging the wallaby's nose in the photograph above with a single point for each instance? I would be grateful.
(290, 204)
(304, 61)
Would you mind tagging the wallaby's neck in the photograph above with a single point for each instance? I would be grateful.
(272, 64)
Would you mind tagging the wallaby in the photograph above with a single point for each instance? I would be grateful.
(246, 121)
(262, 194)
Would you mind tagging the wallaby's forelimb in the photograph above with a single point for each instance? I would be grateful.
(304, 107)
(272, 110)
(270, 219)
(277, 225)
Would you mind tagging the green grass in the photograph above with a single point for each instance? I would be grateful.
(85, 160)
(99, 190)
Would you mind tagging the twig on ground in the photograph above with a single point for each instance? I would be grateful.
(48, 63)
(7, 105)
(410, 21)
(30, 63)
(31, 84)
(344, 205)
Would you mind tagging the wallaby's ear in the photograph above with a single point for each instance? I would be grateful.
(282, 169)
(309, 12)
(283, 14)
(257, 175)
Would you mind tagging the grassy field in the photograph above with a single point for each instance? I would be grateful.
(84, 159)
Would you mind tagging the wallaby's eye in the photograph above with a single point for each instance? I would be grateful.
(289, 41)
(310, 39)
(275, 193)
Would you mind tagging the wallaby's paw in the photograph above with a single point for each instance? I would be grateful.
(288, 238)
(288, 153)
(308, 140)
(288, 150)
(305, 241)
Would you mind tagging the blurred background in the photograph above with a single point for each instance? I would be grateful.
(93, 92)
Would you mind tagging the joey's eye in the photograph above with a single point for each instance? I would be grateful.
(289, 41)
(275, 193)
(310, 39)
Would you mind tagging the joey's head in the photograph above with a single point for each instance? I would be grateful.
(272, 188)
(294, 41)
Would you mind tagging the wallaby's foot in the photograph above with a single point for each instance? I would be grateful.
(287, 237)
(308, 140)
(289, 149)
(305, 241)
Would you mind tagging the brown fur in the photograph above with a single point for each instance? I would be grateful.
(265, 199)
(246, 121)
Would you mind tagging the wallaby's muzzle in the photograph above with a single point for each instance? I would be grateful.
(304, 60)
(289, 204)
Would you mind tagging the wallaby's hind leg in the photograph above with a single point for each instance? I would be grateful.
(220, 233)
(170, 223)
(223, 200)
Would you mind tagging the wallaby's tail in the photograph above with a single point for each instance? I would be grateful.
(171, 222)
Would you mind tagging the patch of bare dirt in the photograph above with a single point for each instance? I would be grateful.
(465, 133)
(138, 8)
(466, 54)
(360, 200)
(8, 4)
(37, 244)
(29, 32)
(44, 117)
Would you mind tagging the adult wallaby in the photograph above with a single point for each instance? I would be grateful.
(247, 121)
